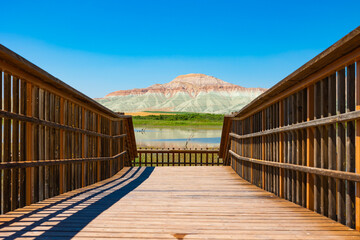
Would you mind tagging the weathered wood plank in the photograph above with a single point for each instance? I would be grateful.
(22, 145)
(29, 144)
(15, 144)
(35, 157)
(34, 120)
(186, 202)
(324, 199)
(343, 175)
(350, 146)
(340, 144)
(332, 146)
(6, 174)
(340, 118)
(36, 139)
(357, 147)
(310, 149)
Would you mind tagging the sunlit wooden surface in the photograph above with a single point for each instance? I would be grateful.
(171, 203)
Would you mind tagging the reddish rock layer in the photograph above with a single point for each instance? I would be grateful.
(192, 84)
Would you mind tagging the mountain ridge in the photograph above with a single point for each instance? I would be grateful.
(192, 83)
(194, 92)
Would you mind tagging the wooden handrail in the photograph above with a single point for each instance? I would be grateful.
(38, 163)
(305, 169)
(344, 117)
(24, 118)
(55, 139)
(20, 67)
(301, 138)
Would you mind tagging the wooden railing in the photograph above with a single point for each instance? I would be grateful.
(177, 157)
(301, 138)
(55, 139)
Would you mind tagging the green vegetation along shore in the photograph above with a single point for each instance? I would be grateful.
(180, 119)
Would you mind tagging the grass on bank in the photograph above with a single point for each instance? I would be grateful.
(180, 119)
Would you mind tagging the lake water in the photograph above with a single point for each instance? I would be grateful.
(180, 137)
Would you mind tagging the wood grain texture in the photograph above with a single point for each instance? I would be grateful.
(315, 144)
(6, 177)
(340, 118)
(43, 126)
(170, 203)
(357, 148)
(182, 157)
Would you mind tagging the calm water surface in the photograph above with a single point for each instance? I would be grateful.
(181, 137)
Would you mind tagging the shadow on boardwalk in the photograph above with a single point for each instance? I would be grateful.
(65, 218)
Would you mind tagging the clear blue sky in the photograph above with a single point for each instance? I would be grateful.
(102, 46)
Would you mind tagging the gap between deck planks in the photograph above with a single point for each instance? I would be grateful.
(170, 203)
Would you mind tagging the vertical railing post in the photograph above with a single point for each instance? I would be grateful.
(29, 144)
(232, 144)
(120, 142)
(83, 148)
(341, 145)
(263, 122)
(140, 159)
(61, 150)
(119, 131)
(6, 142)
(1, 133)
(281, 150)
(350, 139)
(227, 159)
(98, 148)
(310, 149)
(15, 146)
(251, 148)
(242, 148)
(357, 147)
(332, 146)
(128, 144)
(110, 150)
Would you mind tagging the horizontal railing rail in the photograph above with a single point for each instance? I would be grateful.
(54, 138)
(301, 139)
(38, 163)
(37, 121)
(305, 169)
(178, 157)
(344, 117)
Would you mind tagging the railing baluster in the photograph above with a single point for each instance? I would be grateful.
(324, 145)
(55, 139)
(350, 146)
(310, 149)
(23, 149)
(29, 144)
(357, 146)
(341, 147)
(300, 140)
(6, 178)
(178, 157)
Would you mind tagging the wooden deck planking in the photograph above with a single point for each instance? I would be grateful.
(170, 203)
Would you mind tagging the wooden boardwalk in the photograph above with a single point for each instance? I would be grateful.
(170, 203)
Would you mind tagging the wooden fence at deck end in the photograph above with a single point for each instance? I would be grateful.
(177, 157)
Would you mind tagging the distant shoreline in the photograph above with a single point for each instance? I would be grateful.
(175, 124)
(180, 120)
